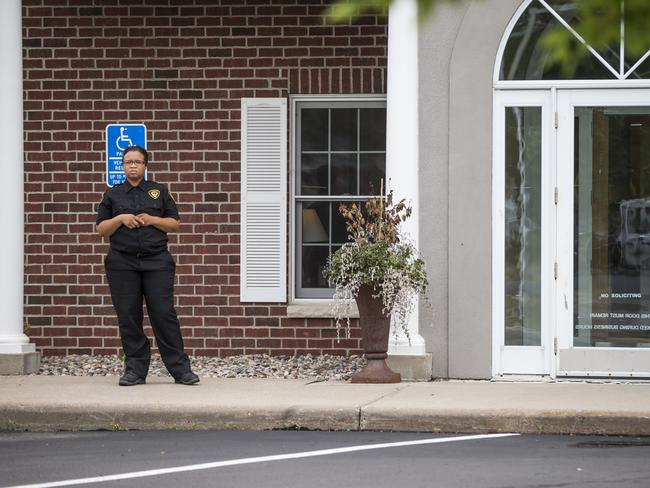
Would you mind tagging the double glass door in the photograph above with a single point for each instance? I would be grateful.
(572, 242)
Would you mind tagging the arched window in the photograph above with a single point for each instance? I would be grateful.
(527, 58)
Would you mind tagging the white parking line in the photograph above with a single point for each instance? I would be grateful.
(261, 459)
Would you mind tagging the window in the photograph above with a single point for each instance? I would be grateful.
(340, 156)
(523, 217)
(526, 55)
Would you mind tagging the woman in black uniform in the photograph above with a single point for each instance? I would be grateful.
(137, 215)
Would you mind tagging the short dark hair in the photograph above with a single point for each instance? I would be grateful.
(138, 149)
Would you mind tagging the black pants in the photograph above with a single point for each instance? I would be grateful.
(131, 278)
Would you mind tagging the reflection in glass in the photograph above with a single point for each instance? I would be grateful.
(372, 133)
(313, 174)
(315, 222)
(315, 242)
(372, 169)
(339, 230)
(314, 129)
(314, 259)
(344, 129)
(612, 227)
(636, 28)
(523, 226)
(344, 174)
(643, 70)
(526, 58)
(569, 12)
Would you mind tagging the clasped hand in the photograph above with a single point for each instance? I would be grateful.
(135, 221)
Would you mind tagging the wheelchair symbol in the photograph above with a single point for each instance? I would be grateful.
(123, 138)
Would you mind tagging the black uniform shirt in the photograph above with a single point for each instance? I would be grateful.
(148, 197)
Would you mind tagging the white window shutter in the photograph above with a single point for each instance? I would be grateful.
(263, 200)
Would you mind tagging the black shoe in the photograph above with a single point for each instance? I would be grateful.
(131, 379)
(188, 378)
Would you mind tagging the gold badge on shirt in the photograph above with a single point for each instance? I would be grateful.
(154, 193)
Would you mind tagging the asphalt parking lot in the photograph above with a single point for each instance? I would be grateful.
(319, 459)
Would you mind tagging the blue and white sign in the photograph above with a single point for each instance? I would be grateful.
(118, 138)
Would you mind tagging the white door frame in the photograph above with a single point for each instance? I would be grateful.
(585, 361)
(525, 360)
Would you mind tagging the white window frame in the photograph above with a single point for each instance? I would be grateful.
(502, 90)
(294, 101)
(572, 360)
(622, 77)
(511, 359)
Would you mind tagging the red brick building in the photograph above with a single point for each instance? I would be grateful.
(182, 68)
(528, 185)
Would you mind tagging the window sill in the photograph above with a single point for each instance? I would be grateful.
(313, 310)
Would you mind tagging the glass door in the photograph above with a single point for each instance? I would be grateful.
(523, 233)
(603, 292)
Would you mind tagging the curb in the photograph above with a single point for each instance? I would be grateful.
(78, 419)
(60, 418)
(562, 423)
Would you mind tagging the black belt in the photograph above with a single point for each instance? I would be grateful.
(139, 254)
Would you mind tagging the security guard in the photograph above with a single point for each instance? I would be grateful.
(137, 215)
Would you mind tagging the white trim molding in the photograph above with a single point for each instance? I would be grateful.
(12, 338)
(402, 165)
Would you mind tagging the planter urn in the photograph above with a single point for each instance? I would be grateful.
(375, 330)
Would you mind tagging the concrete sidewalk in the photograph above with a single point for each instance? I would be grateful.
(47, 403)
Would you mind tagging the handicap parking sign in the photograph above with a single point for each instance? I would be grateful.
(118, 138)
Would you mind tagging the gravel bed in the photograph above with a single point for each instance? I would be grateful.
(321, 368)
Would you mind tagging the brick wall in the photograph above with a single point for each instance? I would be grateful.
(180, 67)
